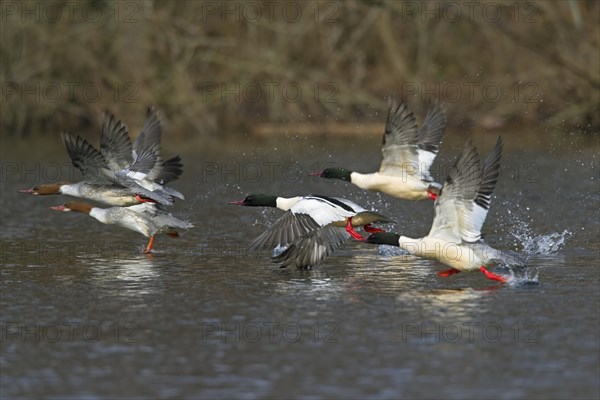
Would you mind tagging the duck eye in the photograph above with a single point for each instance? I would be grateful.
(36, 188)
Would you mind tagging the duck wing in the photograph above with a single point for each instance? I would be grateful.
(287, 229)
(429, 138)
(477, 195)
(462, 182)
(87, 159)
(312, 248)
(400, 155)
(115, 145)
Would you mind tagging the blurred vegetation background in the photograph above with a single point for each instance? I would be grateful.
(225, 69)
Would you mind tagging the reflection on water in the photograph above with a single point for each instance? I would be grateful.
(448, 305)
(137, 274)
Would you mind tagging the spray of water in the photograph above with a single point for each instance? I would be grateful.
(539, 244)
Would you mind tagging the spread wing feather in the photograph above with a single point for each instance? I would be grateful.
(311, 249)
(287, 229)
(115, 144)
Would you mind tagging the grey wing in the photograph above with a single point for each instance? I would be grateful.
(160, 196)
(162, 219)
(146, 147)
(430, 136)
(170, 171)
(311, 249)
(287, 229)
(168, 222)
(86, 158)
(399, 150)
(115, 145)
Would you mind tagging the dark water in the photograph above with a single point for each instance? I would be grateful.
(85, 315)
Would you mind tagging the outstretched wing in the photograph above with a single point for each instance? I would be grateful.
(170, 170)
(430, 136)
(86, 158)
(115, 145)
(462, 183)
(287, 229)
(400, 156)
(313, 248)
(146, 147)
(475, 204)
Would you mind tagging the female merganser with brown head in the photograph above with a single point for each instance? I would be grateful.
(138, 167)
(460, 211)
(113, 195)
(408, 153)
(312, 227)
(146, 218)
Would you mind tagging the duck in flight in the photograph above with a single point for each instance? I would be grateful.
(110, 176)
(312, 227)
(460, 211)
(408, 153)
(146, 218)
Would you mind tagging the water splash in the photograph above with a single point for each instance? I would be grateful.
(522, 277)
(278, 250)
(390, 251)
(539, 244)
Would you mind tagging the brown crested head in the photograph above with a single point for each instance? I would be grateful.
(74, 206)
(48, 188)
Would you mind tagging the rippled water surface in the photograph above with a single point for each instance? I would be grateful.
(85, 315)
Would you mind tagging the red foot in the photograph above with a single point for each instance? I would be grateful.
(370, 229)
(491, 275)
(351, 230)
(143, 199)
(447, 272)
(431, 195)
(150, 244)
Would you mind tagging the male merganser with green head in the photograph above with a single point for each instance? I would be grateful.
(312, 227)
(460, 211)
(408, 153)
(146, 218)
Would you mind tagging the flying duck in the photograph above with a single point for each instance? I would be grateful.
(408, 153)
(312, 227)
(460, 211)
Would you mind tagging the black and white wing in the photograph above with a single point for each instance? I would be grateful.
(430, 137)
(462, 183)
(476, 203)
(311, 249)
(307, 215)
